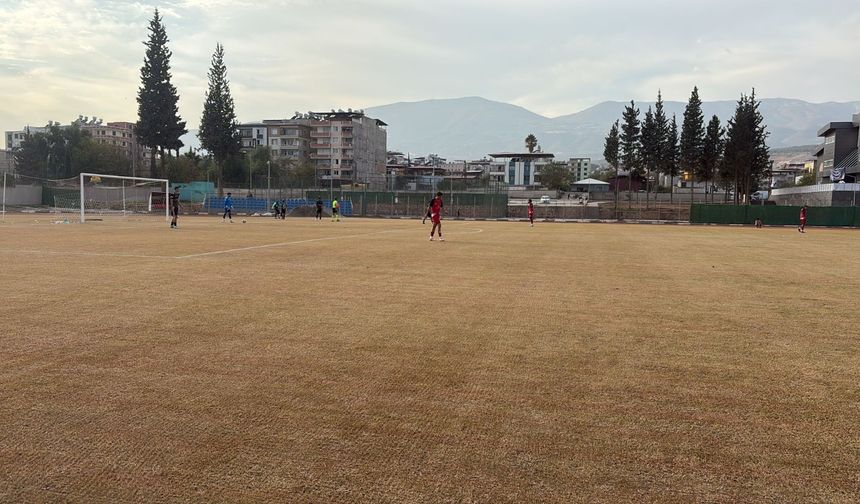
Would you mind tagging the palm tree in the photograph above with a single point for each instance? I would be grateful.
(531, 142)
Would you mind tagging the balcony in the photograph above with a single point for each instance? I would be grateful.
(320, 134)
(320, 145)
(320, 156)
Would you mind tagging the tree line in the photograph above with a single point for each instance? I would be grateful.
(66, 152)
(734, 158)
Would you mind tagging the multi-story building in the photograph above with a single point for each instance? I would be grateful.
(344, 147)
(519, 168)
(347, 146)
(253, 135)
(289, 139)
(15, 138)
(580, 168)
(836, 160)
(121, 136)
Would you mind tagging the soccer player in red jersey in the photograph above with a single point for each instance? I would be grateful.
(531, 213)
(436, 215)
(802, 226)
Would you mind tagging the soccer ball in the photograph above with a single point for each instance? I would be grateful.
(244, 221)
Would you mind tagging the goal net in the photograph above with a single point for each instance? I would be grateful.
(97, 197)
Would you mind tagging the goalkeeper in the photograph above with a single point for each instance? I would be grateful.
(174, 207)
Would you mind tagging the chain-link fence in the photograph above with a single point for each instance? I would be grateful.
(384, 196)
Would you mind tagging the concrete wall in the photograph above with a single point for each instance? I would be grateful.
(818, 195)
(23, 195)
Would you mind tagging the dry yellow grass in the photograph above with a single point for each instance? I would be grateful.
(361, 363)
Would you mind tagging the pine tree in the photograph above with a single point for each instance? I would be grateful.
(219, 132)
(712, 152)
(159, 125)
(746, 154)
(610, 154)
(630, 144)
(761, 164)
(648, 151)
(692, 135)
(662, 134)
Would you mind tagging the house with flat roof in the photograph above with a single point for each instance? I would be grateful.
(520, 168)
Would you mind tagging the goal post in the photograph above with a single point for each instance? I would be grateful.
(117, 194)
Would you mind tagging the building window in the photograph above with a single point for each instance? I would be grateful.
(527, 172)
(830, 139)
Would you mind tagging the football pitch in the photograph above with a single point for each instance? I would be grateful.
(305, 361)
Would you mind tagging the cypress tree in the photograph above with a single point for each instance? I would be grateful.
(630, 144)
(219, 132)
(159, 125)
(692, 135)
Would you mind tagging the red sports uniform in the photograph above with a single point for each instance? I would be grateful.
(436, 210)
(531, 210)
(803, 215)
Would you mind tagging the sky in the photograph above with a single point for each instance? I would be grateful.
(64, 58)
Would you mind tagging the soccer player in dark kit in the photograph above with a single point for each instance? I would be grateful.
(319, 208)
(802, 226)
(436, 215)
(174, 207)
(531, 212)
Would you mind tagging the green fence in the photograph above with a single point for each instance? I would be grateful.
(775, 215)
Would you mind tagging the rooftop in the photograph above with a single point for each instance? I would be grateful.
(827, 128)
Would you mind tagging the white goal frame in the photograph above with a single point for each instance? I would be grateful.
(133, 179)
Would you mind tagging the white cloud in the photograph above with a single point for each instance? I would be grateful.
(62, 58)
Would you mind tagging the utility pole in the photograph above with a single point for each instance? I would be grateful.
(269, 182)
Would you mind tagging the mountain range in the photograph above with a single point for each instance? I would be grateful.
(472, 127)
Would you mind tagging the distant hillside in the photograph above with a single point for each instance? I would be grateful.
(469, 128)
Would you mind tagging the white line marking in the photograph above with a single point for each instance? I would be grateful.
(479, 230)
(92, 254)
(284, 244)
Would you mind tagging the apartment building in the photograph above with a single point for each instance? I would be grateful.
(121, 135)
(117, 134)
(344, 147)
(15, 138)
(580, 168)
(347, 146)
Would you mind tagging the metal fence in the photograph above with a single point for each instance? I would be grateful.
(384, 196)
